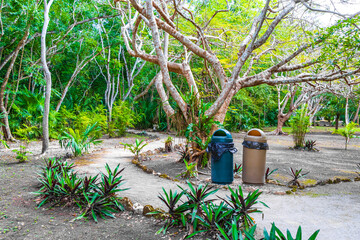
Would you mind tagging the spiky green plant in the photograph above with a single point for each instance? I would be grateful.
(244, 206)
(136, 147)
(190, 172)
(21, 154)
(238, 168)
(197, 196)
(176, 210)
(296, 175)
(79, 142)
(275, 234)
(61, 186)
(268, 173)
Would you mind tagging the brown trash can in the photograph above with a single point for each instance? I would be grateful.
(254, 157)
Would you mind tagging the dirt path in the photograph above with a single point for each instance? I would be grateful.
(333, 212)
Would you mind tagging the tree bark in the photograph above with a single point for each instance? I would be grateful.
(282, 118)
(22, 42)
(347, 111)
(47, 75)
(356, 117)
(337, 121)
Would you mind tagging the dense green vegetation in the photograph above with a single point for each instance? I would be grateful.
(96, 81)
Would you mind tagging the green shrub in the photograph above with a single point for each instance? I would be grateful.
(227, 219)
(190, 172)
(96, 197)
(299, 127)
(136, 147)
(79, 142)
(21, 154)
(347, 132)
(203, 215)
(122, 118)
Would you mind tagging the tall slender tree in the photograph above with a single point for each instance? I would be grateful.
(47, 75)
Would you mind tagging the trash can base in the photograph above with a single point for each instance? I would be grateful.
(254, 183)
(222, 183)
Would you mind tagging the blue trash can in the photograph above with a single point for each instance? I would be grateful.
(221, 149)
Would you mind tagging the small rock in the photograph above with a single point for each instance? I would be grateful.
(138, 208)
(147, 209)
(279, 193)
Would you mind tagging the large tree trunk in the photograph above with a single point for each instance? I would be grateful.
(356, 117)
(337, 121)
(282, 118)
(47, 75)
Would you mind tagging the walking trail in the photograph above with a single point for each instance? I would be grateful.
(336, 215)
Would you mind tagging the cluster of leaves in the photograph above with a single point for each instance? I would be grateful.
(197, 133)
(238, 168)
(136, 147)
(228, 219)
(252, 107)
(21, 154)
(191, 170)
(95, 196)
(202, 214)
(79, 142)
(296, 175)
(274, 234)
(347, 132)
(268, 173)
(310, 146)
(299, 126)
(183, 151)
(26, 118)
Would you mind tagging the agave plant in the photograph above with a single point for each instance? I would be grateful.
(275, 233)
(97, 205)
(244, 206)
(69, 187)
(79, 142)
(310, 145)
(214, 216)
(49, 182)
(197, 196)
(136, 147)
(89, 183)
(176, 211)
(268, 173)
(296, 175)
(191, 170)
(62, 186)
(234, 233)
(183, 151)
(110, 183)
(238, 168)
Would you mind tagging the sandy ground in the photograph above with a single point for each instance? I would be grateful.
(334, 209)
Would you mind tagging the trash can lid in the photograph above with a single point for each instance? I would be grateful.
(255, 135)
(222, 135)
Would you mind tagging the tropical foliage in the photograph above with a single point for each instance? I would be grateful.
(95, 196)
